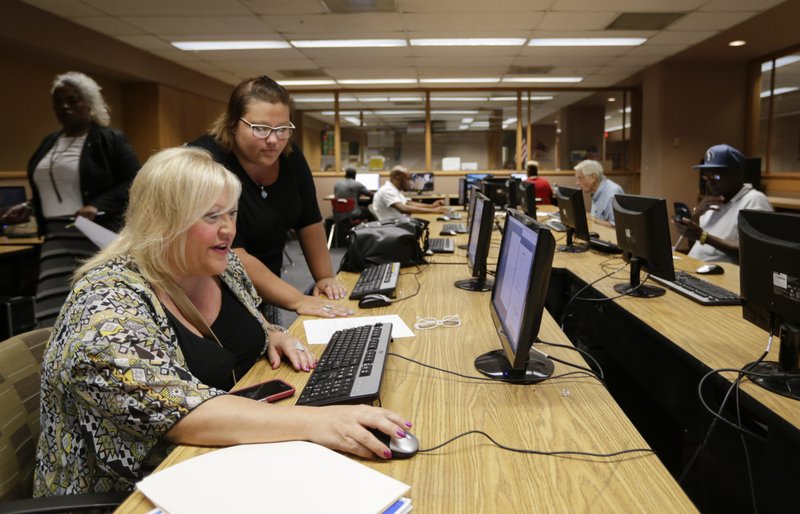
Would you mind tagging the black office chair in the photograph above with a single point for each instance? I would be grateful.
(20, 385)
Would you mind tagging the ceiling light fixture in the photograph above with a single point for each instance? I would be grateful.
(468, 42)
(352, 119)
(480, 80)
(309, 82)
(738, 42)
(348, 43)
(587, 41)
(571, 80)
(356, 82)
(202, 46)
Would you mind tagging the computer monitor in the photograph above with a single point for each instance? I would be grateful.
(476, 177)
(520, 176)
(573, 216)
(512, 195)
(526, 198)
(463, 191)
(480, 235)
(496, 189)
(769, 278)
(371, 181)
(642, 226)
(421, 182)
(520, 291)
(11, 196)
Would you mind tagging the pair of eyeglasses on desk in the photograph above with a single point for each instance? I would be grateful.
(449, 321)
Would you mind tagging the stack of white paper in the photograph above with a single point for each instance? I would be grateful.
(290, 477)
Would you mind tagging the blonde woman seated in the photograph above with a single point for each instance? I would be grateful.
(132, 368)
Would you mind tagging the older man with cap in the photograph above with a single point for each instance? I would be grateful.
(713, 231)
(591, 179)
(389, 202)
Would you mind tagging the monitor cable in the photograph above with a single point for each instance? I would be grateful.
(584, 288)
(599, 371)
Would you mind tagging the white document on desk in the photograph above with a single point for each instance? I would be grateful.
(319, 331)
(272, 477)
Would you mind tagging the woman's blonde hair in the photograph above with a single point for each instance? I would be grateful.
(174, 189)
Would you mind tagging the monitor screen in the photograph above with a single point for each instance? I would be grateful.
(573, 215)
(520, 176)
(371, 181)
(421, 182)
(642, 226)
(518, 298)
(11, 196)
(476, 177)
(769, 275)
(526, 195)
(480, 235)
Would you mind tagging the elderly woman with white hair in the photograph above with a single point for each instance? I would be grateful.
(591, 179)
(85, 169)
(158, 327)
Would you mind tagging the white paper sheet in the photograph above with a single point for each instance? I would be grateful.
(97, 234)
(272, 477)
(319, 331)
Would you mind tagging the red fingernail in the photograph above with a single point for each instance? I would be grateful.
(387, 454)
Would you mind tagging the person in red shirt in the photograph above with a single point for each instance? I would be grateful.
(542, 186)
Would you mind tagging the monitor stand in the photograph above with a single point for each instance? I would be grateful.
(635, 288)
(783, 376)
(474, 284)
(570, 247)
(495, 365)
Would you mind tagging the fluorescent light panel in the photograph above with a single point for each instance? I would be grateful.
(348, 43)
(200, 46)
(355, 82)
(310, 82)
(474, 80)
(571, 80)
(468, 42)
(587, 41)
(352, 119)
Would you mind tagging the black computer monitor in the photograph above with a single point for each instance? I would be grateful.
(480, 235)
(526, 198)
(496, 189)
(463, 192)
(11, 196)
(642, 226)
(523, 276)
(421, 182)
(573, 216)
(512, 195)
(769, 278)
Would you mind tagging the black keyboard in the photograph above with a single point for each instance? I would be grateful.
(603, 246)
(458, 228)
(441, 245)
(379, 278)
(351, 367)
(699, 290)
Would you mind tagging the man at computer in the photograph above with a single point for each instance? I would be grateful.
(591, 179)
(349, 187)
(712, 231)
(540, 184)
(389, 202)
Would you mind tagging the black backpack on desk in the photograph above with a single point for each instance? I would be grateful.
(378, 242)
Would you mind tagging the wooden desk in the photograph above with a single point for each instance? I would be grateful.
(11, 249)
(16, 241)
(783, 202)
(472, 475)
(417, 197)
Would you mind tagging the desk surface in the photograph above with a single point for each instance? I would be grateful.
(415, 196)
(9, 249)
(472, 475)
(16, 241)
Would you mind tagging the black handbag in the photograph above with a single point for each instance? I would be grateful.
(377, 242)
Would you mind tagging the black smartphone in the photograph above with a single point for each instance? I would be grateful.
(681, 211)
(269, 391)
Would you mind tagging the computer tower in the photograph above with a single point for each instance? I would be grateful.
(17, 315)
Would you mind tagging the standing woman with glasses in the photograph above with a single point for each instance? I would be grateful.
(83, 169)
(254, 139)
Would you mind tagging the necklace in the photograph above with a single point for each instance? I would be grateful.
(264, 194)
(54, 156)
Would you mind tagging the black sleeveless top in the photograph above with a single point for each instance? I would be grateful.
(242, 340)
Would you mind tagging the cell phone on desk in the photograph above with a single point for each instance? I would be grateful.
(681, 211)
(270, 391)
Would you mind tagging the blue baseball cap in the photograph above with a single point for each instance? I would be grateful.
(722, 156)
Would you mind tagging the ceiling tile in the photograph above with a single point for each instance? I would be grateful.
(275, 7)
(637, 60)
(449, 6)
(471, 23)
(354, 54)
(670, 37)
(576, 21)
(365, 62)
(168, 8)
(465, 61)
(109, 26)
(372, 73)
(248, 55)
(660, 50)
(449, 72)
(628, 5)
(146, 42)
(571, 60)
(553, 53)
(200, 25)
(351, 24)
(461, 52)
(64, 9)
(740, 5)
(250, 64)
(709, 21)
(179, 56)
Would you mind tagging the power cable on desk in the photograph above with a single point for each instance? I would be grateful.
(582, 352)
(492, 380)
(538, 452)
(587, 286)
(416, 279)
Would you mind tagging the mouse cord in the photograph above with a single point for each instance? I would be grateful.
(495, 381)
(538, 452)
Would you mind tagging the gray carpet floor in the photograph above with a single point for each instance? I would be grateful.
(295, 271)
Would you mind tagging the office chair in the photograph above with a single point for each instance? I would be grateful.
(20, 386)
(344, 219)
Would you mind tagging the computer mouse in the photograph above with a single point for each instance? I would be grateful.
(710, 269)
(401, 447)
(447, 233)
(594, 234)
(371, 301)
(443, 218)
